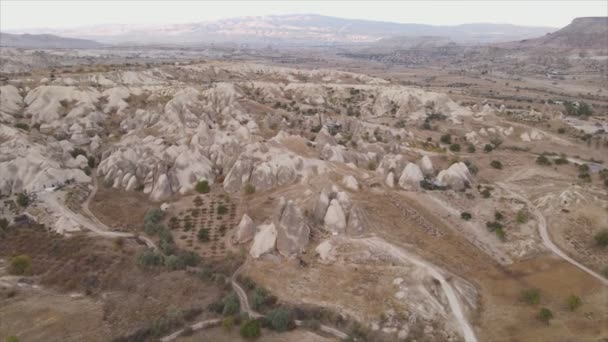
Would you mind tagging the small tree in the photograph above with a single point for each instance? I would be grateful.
(149, 258)
(173, 262)
(251, 330)
(23, 199)
(545, 315)
(222, 209)
(280, 319)
(496, 164)
(203, 187)
(574, 302)
(543, 160)
(203, 235)
(228, 323)
(498, 216)
(249, 189)
(231, 305)
(20, 265)
(601, 238)
(522, 216)
(531, 296)
(466, 216)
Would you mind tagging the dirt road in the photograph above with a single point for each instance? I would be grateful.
(544, 234)
(384, 247)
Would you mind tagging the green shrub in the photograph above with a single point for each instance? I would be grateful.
(371, 165)
(149, 258)
(228, 323)
(498, 216)
(173, 262)
(258, 298)
(574, 302)
(23, 199)
(20, 265)
(222, 209)
(561, 160)
(189, 258)
(203, 235)
(496, 164)
(455, 147)
(251, 330)
(91, 162)
(231, 305)
(522, 216)
(492, 226)
(22, 126)
(3, 223)
(486, 193)
(500, 233)
(203, 187)
(543, 160)
(249, 189)
(488, 148)
(466, 216)
(12, 338)
(280, 319)
(601, 238)
(471, 148)
(561, 130)
(446, 139)
(530, 296)
(545, 315)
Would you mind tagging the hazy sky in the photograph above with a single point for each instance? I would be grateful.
(21, 14)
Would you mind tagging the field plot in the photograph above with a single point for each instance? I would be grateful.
(201, 223)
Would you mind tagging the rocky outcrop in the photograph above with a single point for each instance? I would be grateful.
(293, 232)
(456, 177)
(266, 167)
(426, 166)
(350, 183)
(335, 219)
(411, 177)
(264, 240)
(244, 231)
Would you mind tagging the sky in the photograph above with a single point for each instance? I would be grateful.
(19, 15)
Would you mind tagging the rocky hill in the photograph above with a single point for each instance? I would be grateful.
(582, 33)
(45, 41)
(297, 29)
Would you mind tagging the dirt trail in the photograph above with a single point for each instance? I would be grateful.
(384, 247)
(90, 222)
(544, 234)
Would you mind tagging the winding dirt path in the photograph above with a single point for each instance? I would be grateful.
(455, 306)
(546, 238)
(106, 229)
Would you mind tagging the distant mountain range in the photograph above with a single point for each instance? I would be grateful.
(300, 29)
(582, 33)
(40, 41)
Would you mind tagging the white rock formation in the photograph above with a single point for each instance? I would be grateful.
(335, 220)
(426, 166)
(456, 176)
(244, 231)
(411, 177)
(350, 183)
(293, 232)
(264, 240)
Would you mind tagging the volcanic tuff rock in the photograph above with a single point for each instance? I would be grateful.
(244, 231)
(456, 176)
